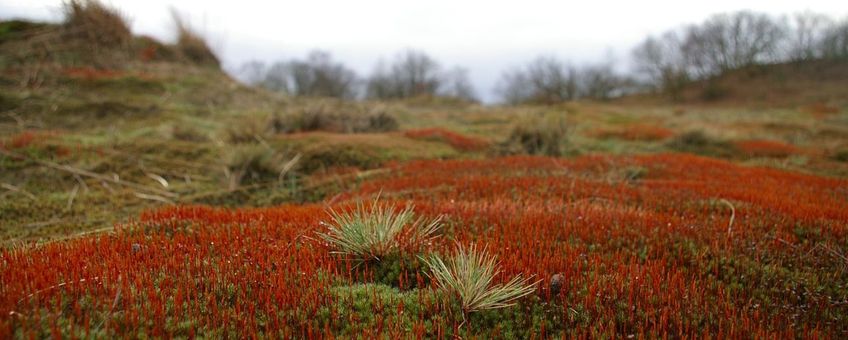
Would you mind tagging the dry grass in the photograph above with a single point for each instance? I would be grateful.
(339, 117)
(537, 135)
(95, 23)
(470, 276)
(192, 45)
(255, 163)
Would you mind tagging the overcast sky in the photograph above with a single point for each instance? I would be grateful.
(484, 36)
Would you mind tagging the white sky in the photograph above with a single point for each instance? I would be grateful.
(484, 36)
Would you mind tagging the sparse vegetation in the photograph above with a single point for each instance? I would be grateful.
(96, 24)
(341, 118)
(256, 163)
(698, 142)
(537, 135)
(191, 44)
(841, 155)
(469, 275)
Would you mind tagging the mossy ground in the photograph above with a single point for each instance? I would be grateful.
(163, 127)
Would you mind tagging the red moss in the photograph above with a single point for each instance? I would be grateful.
(660, 247)
(457, 141)
(91, 73)
(766, 148)
(35, 140)
(821, 109)
(21, 140)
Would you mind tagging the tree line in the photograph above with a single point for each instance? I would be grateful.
(663, 64)
(726, 42)
(411, 74)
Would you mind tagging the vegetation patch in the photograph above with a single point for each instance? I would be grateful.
(537, 135)
(192, 45)
(698, 142)
(326, 157)
(766, 148)
(339, 118)
(457, 141)
(635, 133)
(96, 24)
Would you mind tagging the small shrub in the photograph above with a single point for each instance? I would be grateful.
(246, 131)
(381, 121)
(469, 276)
(537, 135)
(713, 91)
(188, 134)
(255, 163)
(377, 231)
(192, 45)
(96, 23)
(325, 157)
(316, 118)
(340, 119)
(841, 155)
(19, 29)
(699, 143)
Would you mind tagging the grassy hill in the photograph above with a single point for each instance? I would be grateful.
(817, 86)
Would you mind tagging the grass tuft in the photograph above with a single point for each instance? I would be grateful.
(469, 275)
(376, 231)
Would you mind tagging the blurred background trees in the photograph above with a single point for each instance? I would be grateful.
(661, 64)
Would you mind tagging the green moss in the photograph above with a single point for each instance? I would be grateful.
(397, 270)
(374, 305)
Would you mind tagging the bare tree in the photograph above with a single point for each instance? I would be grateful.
(807, 31)
(660, 61)
(834, 44)
(544, 80)
(552, 80)
(457, 85)
(414, 73)
(379, 85)
(730, 41)
(320, 76)
(514, 87)
(600, 81)
(317, 76)
(253, 72)
(276, 78)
